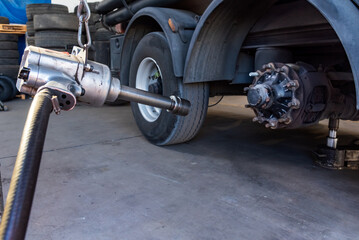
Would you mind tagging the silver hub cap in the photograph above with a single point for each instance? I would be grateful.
(148, 73)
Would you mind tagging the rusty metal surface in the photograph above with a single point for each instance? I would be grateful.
(273, 95)
(295, 95)
(3, 107)
(344, 157)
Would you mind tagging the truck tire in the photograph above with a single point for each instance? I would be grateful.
(103, 34)
(30, 28)
(9, 54)
(9, 70)
(7, 89)
(55, 39)
(44, 8)
(30, 41)
(94, 18)
(8, 46)
(65, 21)
(7, 61)
(102, 52)
(152, 69)
(8, 37)
(98, 25)
(92, 7)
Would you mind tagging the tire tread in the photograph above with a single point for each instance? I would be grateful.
(44, 8)
(184, 128)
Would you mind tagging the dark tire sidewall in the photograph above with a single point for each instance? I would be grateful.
(6, 88)
(155, 46)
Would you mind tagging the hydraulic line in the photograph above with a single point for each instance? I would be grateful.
(23, 182)
(123, 14)
(107, 6)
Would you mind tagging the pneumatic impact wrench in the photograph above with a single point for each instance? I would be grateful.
(90, 82)
(58, 80)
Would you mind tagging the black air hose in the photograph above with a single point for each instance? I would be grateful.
(23, 181)
(124, 14)
(107, 6)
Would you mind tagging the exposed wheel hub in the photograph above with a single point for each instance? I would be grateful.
(155, 87)
(272, 95)
(259, 96)
(295, 95)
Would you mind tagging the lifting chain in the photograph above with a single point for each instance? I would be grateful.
(84, 14)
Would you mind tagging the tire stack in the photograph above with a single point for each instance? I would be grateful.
(101, 43)
(52, 25)
(9, 63)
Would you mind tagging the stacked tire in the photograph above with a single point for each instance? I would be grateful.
(9, 63)
(52, 26)
(101, 44)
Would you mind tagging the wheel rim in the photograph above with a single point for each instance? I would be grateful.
(148, 73)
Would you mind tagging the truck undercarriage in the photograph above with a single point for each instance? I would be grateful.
(292, 59)
(293, 50)
(297, 35)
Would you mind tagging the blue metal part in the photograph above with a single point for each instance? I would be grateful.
(15, 10)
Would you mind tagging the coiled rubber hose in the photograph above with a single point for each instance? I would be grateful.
(23, 181)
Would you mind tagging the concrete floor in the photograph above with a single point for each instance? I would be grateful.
(100, 179)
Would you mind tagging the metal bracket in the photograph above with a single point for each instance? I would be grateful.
(79, 52)
(64, 99)
(3, 107)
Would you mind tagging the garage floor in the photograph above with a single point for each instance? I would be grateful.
(100, 179)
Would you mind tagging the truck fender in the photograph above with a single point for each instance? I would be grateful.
(218, 38)
(343, 16)
(152, 19)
